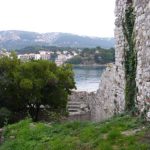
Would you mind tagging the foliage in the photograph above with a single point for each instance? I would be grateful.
(5, 115)
(9, 97)
(76, 135)
(37, 48)
(130, 58)
(25, 87)
(105, 56)
(94, 55)
(75, 60)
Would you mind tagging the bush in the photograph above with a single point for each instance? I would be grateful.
(4, 116)
(26, 86)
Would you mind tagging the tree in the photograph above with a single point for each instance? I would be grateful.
(75, 60)
(9, 96)
(30, 85)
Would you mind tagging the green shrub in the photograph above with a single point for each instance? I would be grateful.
(4, 116)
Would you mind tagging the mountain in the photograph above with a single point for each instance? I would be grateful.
(13, 39)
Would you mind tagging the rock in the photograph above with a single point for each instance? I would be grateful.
(1, 130)
(131, 132)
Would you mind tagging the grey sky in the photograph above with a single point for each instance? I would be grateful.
(83, 17)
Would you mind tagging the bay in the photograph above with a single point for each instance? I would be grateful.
(87, 78)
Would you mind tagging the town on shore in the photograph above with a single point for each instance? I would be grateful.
(59, 57)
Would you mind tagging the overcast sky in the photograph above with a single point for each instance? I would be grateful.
(83, 17)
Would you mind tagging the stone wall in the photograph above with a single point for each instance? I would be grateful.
(142, 47)
(103, 104)
(110, 97)
(142, 35)
(80, 105)
(104, 98)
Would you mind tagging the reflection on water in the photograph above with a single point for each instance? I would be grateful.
(88, 77)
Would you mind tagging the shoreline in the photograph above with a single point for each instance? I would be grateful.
(90, 65)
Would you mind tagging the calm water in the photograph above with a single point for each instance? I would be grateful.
(88, 78)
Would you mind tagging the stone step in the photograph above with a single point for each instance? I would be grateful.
(73, 106)
(73, 110)
(72, 102)
(74, 113)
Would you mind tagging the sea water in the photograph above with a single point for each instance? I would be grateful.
(87, 78)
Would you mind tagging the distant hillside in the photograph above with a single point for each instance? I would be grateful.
(19, 39)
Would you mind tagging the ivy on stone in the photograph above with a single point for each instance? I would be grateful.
(130, 58)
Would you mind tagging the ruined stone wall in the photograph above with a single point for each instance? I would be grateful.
(106, 102)
(142, 47)
(110, 97)
(104, 105)
(80, 105)
(142, 38)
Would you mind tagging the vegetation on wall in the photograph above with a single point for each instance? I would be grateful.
(130, 58)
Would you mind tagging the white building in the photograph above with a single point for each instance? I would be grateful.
(45, 55)
(31, 56)
(60, 59)
(4, 53)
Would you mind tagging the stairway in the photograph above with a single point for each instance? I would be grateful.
(74, 107)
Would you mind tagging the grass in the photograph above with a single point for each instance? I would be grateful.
(27, 135)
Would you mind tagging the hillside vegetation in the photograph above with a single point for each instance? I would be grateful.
(90, 56)
(119, 133)
(37, 48)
